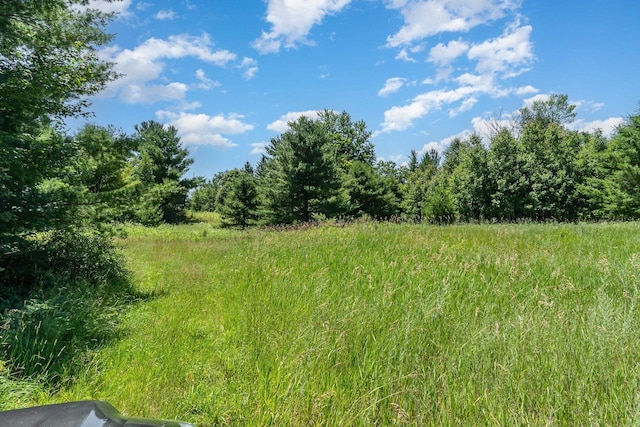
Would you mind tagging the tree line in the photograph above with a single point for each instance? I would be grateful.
(536, 168)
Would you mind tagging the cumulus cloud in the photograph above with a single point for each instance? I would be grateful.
(143, 65)
(511, 50)
(292, 20)
(526, 90)
(399, 118)
(494, 60)
(608, 126)
(445, 54)
(150, 94)
(202, 129)
(425, 18)
(392, 85)
(403, 55)
(528, 102)
(282, 124)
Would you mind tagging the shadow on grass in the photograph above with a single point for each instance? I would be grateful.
(60, 297)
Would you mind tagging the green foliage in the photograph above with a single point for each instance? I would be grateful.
(102, 172)
(33, 193)
(323, 168)
(614, 190)
(300, 178)
(415, 191)
(470, 180)
(49, 65)
(160, 167)
(508, 174)
(351, 140)
(237, 200)
(542, 113)
(370, 193)
(551, 167)
(203, 198)
(59, 296)
(49, 62)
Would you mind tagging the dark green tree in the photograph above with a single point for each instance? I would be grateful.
(203, 198)
(237, 200)
(506, 164)
(160, 166)
(471, 187)
(351, 140)
(49, 65)
(614, 190)
(550, 156)
(300, 177)
(369, 192)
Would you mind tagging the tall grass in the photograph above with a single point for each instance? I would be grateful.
(61, 296)
(380, 324)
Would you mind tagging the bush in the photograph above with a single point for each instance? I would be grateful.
(60, 295)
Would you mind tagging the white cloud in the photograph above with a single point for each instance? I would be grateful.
(497, 58)
(608, 126)
(119, 7)
(528, 102)
(403, 55)
(526, 90)
(443, 144)
(400, 118)
(205, 82)
(292, 20)
(149, 94)
(143, 5)
(505, 53)
(466, 105)
(445, 54)
(259, 148)
(282, 124)
(424, 18)
(165, 15)
(144, 64)
(487, 126)
(250, 67)
(202, 129)
(392, 85)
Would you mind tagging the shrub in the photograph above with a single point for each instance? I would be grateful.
(60, 296)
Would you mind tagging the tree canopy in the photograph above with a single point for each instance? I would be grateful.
(49, 66)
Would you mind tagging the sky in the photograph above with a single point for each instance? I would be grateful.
(230, 74)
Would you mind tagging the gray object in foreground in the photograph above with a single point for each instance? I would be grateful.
(90, 413)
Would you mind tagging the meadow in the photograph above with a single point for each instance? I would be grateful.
(375, 324)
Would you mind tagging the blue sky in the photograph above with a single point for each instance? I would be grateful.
(230, 74)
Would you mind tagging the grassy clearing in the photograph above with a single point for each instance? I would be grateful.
(378, 324)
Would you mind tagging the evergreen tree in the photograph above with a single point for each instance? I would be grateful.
(369, 192)
(237, 200)
(615, 188)
(300, 177)
(49, 65)
(160, 166)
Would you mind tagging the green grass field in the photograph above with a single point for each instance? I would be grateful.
(377, 324)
